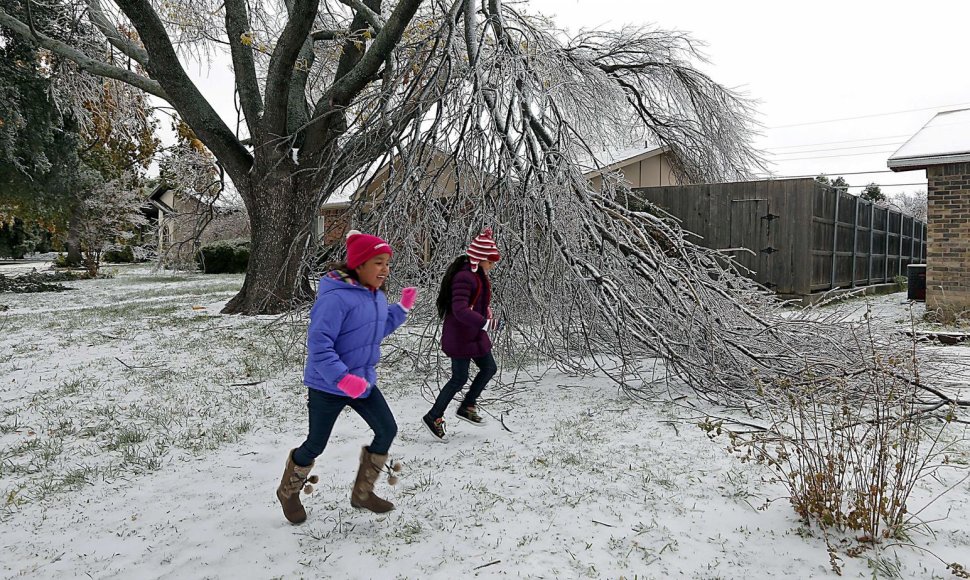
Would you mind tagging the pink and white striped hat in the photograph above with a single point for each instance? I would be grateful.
(483, 248)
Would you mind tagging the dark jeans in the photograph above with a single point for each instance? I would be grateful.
(324, 409)
(459, 376)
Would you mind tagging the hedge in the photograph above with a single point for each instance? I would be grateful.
(225, 257)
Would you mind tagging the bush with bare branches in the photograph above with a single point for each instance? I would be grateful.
(850, 453)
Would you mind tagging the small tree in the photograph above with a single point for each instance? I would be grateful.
(873, 193)
(190, 168)
(108, 215)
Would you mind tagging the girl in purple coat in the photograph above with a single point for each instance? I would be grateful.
(464, 303)
(348, 321)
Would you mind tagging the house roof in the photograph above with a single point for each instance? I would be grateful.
(156, 197)
(592, 166)
(944, 139)
(221, 202)
(616, 158)
(342, 196)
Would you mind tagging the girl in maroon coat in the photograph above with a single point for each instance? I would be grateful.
(463, 302)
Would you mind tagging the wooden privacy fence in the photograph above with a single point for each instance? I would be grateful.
(797, 236)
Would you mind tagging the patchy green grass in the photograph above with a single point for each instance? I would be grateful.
(136, 371)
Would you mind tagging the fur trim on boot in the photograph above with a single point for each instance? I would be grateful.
(362, 496)
(295, 479)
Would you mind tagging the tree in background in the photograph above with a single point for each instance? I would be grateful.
(202, 212)
(913, 204)
(118, 144)
(109, 214)
(18, 238)
(873, 193)
(838, 183)
(38, 151)
(63, 132)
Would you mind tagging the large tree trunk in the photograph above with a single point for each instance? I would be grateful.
(280, 221)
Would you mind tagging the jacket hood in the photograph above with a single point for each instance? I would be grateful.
(338, 280)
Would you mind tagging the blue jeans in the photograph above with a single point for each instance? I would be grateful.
(324, 408)
(459, 376)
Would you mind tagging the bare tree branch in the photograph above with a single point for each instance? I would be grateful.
(282, 62)
(350, 84)
(321, 35)
(243, 64)
(114, 36)
(372, 18)
(84, 61)
(165, 68)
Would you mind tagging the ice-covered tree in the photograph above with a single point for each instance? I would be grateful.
(63, 131)
(911, 203)
(108, 214)
(327, 88)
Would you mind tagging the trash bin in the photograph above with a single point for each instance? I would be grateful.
(916, 282)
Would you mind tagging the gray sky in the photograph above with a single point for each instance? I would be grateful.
(840, 85)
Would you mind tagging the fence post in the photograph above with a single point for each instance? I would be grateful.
(922, 242)
(855, 239)
(835, 236)
(912, 243)
(872, 223)
(885, 250)
(899, 261)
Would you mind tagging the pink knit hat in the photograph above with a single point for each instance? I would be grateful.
(483, 248)
(363, 247)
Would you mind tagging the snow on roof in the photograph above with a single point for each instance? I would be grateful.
(613, 158)
(344, 194)
(944, 139)
(226, 199)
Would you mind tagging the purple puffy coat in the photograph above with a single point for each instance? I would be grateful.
(463, 334)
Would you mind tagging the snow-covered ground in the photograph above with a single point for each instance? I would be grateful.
(143, 435)
(15, 267)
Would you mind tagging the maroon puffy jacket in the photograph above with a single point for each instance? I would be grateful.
(462, 335)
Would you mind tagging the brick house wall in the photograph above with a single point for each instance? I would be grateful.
(948, 233)
(336, 223)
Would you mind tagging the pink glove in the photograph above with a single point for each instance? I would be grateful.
(353, 385)
(408, 296)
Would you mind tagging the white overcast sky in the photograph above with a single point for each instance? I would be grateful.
(814, 67)
(810, 63)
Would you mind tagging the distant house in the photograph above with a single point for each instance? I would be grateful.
(333, 221)
(942, 149)
(186, 221)
(639, 167)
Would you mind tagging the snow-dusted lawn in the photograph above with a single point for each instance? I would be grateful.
(134, 443)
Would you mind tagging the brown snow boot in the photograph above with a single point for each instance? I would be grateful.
(295, 478)
(362, 496)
